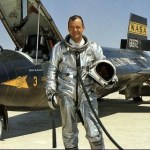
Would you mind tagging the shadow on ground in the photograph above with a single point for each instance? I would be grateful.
(37, 121)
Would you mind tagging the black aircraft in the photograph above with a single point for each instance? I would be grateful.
(23, 70)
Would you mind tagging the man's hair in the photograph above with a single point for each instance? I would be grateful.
(74, 17)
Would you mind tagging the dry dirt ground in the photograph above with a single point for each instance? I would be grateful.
(126, 121)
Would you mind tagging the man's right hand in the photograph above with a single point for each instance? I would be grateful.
(53, 101)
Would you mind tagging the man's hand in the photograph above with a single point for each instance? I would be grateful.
(53, 101)
(112, 83)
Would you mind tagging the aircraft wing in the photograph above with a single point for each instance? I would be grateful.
(20, 18)
(145, 71)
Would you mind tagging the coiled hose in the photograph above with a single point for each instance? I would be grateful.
(96, 116)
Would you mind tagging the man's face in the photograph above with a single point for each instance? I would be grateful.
(76, 29)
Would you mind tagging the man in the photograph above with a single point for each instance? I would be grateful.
(64, 88)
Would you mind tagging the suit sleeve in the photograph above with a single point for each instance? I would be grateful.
(97, 50)
(51, 78)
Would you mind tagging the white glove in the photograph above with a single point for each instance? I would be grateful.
(53, 101)
(112, 83)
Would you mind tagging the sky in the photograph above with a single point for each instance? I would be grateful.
(106, 21)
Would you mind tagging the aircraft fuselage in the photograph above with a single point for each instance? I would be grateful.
(23, 82)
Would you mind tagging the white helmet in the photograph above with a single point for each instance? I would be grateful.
(104, 72)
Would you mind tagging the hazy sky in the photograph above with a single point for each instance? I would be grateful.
(106, 21)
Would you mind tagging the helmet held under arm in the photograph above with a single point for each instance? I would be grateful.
(104, 73)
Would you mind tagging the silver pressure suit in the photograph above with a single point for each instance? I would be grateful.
(62, 79)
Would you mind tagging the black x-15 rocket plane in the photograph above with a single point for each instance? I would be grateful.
(23, 70)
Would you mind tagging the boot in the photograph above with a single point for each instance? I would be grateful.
(74, 148)
(97, 145)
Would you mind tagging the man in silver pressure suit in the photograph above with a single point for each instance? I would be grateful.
(63, 87)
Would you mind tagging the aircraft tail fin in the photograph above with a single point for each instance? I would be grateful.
(137, 34)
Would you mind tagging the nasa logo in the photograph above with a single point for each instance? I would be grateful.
(137, 28)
